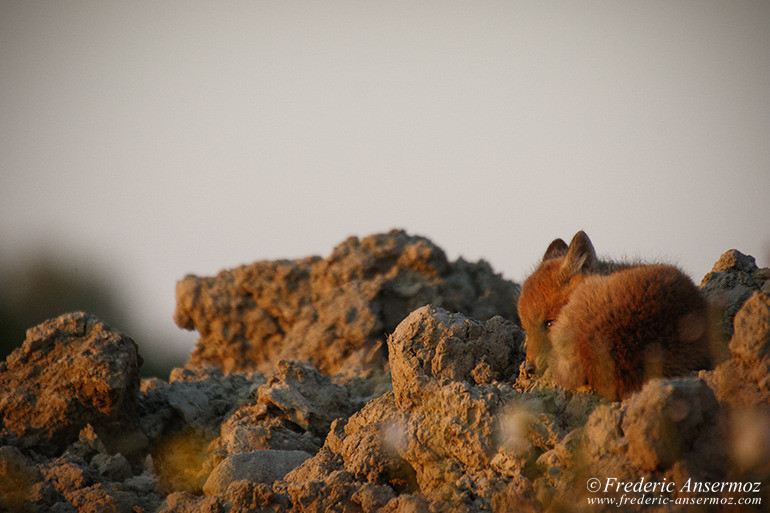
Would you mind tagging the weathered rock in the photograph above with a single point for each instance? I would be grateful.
(603, 435)
(200, 397)
(306, 397)
(441, 436)
(113, 466)
(100, 499)
(256, 466)
(337, 492)
(293, 410)
(247, 496)
(408, 504)
(463, 427)
(751, 341)
(334, 312)
(70, 371)
(433, 345)
(182, 502)
(744, 380)
(732, 280)
(70, 484)
(664, 420)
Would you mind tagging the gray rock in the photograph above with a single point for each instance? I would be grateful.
(293, 410)
(256, 466)
(729, 284)
(201, 397)
(114, 467)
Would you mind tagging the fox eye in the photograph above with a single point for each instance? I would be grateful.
(547, 324)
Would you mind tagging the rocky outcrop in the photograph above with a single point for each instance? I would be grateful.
(744, 379)
(334, 312)
(460, 425)
(732, 280)
(69, 372)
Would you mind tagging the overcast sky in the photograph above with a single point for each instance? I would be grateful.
(156, 139)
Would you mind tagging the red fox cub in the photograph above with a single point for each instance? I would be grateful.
(610, 325)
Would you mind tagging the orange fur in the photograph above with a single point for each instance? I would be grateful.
(612, 325)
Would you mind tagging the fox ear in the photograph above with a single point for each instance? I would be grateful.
(581, 256)
(557, 248)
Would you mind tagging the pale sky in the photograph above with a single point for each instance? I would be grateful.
(156, 139)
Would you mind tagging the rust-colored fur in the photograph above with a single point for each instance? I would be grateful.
(611, 326)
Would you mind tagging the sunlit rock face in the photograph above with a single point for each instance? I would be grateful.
(335, 312)
(449, 419)
(69, 372)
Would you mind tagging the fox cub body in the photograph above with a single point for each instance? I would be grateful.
(609, 325)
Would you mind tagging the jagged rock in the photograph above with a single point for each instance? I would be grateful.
(257, 467)
(751, 341)
(334, 312)
(337, 492)
(435, 345)
(200, 397)
(99, 498)
(442, 420)
(305, 397)
(409, 504)
(70, 484)
(183, 502)
(732, 280)
(462, 427)
(69, 372)
(293, 410)
(112, 466)
(744, 380)
(664, 420)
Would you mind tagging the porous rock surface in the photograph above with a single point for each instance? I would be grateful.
(334, 312)
(732, 280)
(461, 426)
(69, 372)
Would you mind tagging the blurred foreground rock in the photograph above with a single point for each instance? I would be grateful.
(461, 426)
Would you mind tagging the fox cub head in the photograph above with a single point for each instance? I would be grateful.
(548, 289)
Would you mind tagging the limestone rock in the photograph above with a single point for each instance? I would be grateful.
(200, 397)
(744, 380)
(336, 311)
(440, 438)
(435, 345)
(751, 341)
(732, 280)
(256, 466)
(462, 427)
(70, 371)
(293, 410)
(663, 421)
